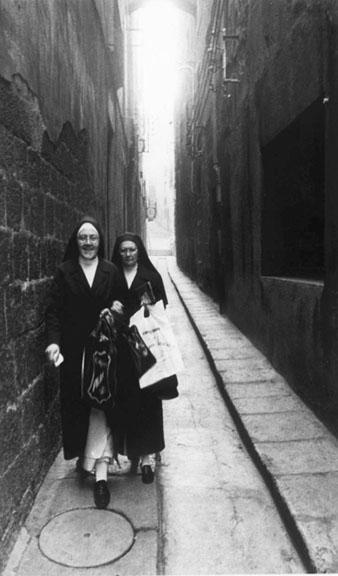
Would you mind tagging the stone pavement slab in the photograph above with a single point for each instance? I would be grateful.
(266, 404)
(66, 534)
(217, 515)
(295, 452)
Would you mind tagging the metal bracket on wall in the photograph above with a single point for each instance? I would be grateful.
(227, 80)
(194, 143)
(217, 60)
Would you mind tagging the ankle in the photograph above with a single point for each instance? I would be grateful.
(145, 460)
(101, 470)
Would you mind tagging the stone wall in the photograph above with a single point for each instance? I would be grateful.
(240, 221)
(56, 79)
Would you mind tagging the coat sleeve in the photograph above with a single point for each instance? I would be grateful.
(158, 287)
(54, 311)
(120, 289)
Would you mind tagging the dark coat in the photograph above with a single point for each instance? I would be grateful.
(132, 302)
(72, 312)
(139, 415)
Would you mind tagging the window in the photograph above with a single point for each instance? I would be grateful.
(293, 202)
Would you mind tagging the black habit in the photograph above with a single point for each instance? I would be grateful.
(72, 312)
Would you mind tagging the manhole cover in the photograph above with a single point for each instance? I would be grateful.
(86, 538)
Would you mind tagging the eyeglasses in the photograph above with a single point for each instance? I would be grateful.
(91, 238)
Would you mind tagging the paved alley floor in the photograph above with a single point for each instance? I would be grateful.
(209, 511)
(218, 516)
(294, 451)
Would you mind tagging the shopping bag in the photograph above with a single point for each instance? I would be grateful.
(141, 355)
(157, 333)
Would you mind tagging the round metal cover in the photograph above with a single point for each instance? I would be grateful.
(86, 537)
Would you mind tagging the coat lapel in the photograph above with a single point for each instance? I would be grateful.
(100, 275)
(140, 278)
(77, 275)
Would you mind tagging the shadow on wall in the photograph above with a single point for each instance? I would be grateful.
(44, 188)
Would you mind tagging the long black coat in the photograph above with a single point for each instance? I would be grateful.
(138, 414)
(72, 312)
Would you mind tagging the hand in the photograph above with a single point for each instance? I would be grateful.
(117, 307)
(52, 353)
(105, 312)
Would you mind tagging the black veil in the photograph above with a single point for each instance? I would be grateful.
(72, 251)
(143, 258)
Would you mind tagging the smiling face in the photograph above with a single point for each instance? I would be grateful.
(88, 241)
(129, 253)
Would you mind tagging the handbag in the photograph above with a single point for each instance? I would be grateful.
(165, 389)
(158, 335)
(98, 370)
(142, 357)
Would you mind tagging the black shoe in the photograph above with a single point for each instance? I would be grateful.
(81, 471)
(134, 462)
(101, 494)
(147, 474)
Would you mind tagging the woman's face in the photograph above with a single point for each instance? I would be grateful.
(129, 253)
(88, 241)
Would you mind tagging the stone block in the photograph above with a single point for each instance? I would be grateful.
(34, 252)
(253, 390)
(34, 212)
(40, 294)
(311, 496)
(33, 409)
(6, 260)
(13, 309)
(8, 390)
(315, 456)
(14, 205)
(10, 434)
(51, 206)
(39, 173)
(219, 343)
(21, 309)
(245, 370)
(231, 351)
(267, 404)
(6, 503)
(20, 256)
(313, 502)
(13, 152)
(52, 252)
(282, 426)
(3, 192)
(26, 316)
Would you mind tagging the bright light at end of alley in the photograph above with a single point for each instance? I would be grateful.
(158, 21)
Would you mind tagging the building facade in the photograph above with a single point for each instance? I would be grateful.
(256, 199)
(66, 149)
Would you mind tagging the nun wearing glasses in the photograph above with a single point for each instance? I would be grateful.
(84, 284)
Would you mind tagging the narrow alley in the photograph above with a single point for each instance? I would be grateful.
(214, 514)
(207, 130)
